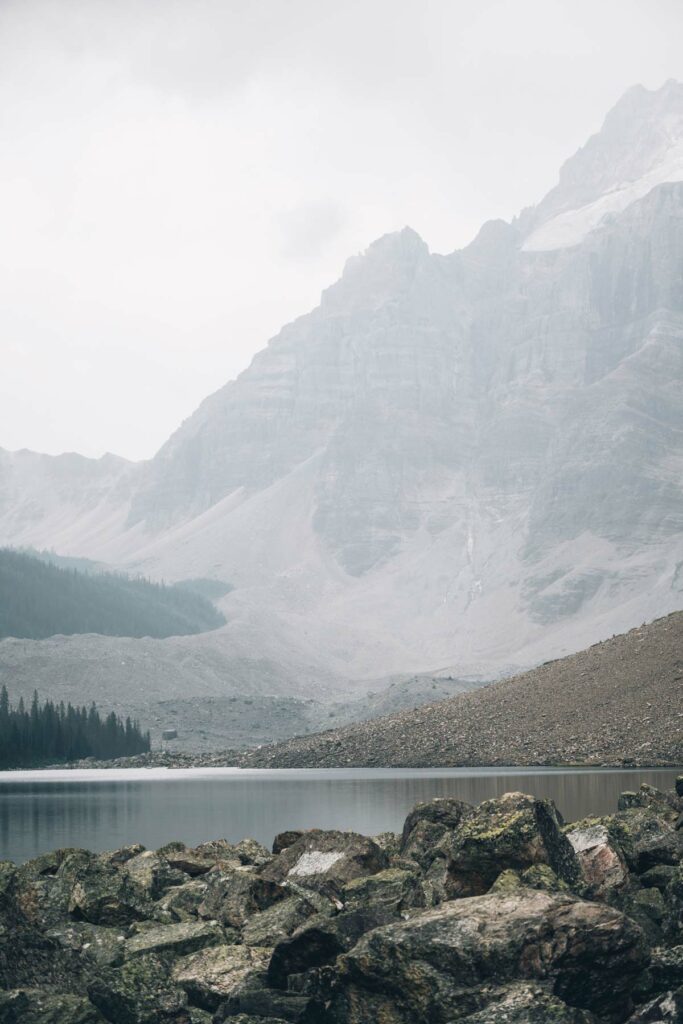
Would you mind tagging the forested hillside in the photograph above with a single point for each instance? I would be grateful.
(38, 599)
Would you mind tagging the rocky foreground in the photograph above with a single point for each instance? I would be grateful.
(499, 913)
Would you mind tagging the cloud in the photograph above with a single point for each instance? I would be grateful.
(307, 228)
(178, 178)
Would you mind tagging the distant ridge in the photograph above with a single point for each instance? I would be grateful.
(616, 703)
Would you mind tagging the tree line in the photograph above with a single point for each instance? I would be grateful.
(49, 733)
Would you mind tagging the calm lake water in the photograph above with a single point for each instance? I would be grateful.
(101, 810)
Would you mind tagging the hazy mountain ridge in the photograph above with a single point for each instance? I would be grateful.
(462, 463)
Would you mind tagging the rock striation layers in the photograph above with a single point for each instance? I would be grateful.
(463, 463)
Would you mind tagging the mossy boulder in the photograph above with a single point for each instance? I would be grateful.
(427, 824)
(515, 831)
(141, 991)
(432, 969)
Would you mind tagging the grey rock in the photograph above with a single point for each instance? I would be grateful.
(430, 969)
(234, 895)
(326, 860)
(139, 992)
(210, 976)
(176, 939)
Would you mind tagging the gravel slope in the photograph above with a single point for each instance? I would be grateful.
(619, 702)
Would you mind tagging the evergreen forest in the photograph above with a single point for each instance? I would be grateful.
(50, 733)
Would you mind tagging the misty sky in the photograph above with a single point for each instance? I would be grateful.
(178, 178)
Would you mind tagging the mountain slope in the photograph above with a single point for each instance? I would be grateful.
(39, 600)
(615, 703)
(458, 465)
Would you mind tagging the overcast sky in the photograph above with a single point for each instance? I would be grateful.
(178, 178)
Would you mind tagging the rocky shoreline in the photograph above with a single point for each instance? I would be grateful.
(489, 914)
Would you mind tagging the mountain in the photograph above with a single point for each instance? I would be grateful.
(615, 703)
(39, 600)
(455, 465)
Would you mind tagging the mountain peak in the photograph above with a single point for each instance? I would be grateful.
(382, 270)
(639, 146)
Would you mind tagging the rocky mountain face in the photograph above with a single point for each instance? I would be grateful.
(461, 464)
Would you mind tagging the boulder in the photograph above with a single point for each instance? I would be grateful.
(285, 839)
(101, 893)
(666, 968)
(431, 969)
(141, 991)
(389, 843)
(526, 1004)
(267, 927)
(394, 890)
(658, 877)
(210, 976)
(673, 896)
(663, 1009)
(183, 901)
(646, 839)
(104, 946)
(254, 999)
(326, 861)
(427, 824)
(602, 864)
(648, 909)
(31, 959)
(39, 891)
(320, 941)
(678, 786)
(191, 862)
(36, 1006)
(234, 895)
(514, 831)
(538, 876)
(176, 939)
(649, 797)
(116, 858)
(248, 851)
(200, 859)
(445, 811)
(152, 873)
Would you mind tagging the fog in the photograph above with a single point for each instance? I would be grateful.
(180, 178)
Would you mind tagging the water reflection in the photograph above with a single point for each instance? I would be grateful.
(36, 816)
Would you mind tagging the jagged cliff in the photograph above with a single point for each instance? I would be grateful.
(462, 463)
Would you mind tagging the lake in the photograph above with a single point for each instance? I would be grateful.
(107, 808)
